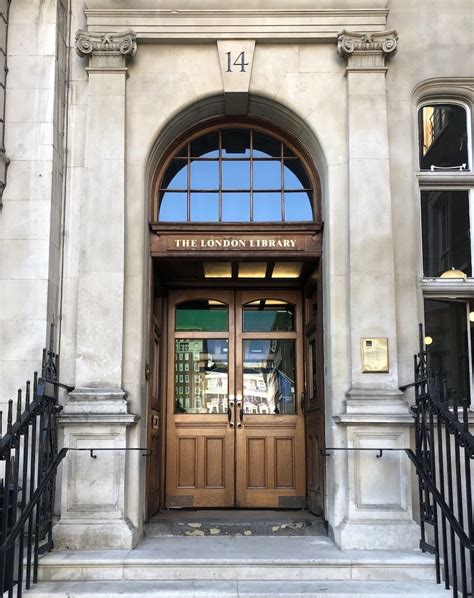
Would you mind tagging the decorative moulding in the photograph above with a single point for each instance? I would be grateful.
(259, 24)
(445, 88)
(367, 51)
(93, 43)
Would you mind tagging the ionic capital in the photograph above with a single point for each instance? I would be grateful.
(367, 51)
(122, 44)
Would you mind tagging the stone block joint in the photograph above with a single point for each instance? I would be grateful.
(367, 51)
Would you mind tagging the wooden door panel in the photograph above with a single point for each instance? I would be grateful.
(200, 468)
(284, 462)
(270, 448)
(200, 446)
(259, 464)
(314, 404)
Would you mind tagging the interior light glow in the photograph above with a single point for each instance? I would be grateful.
(428, 340)
(252, 269)
(217, 270)
(287, 269)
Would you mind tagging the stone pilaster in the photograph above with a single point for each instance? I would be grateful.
(96, 414)
(379, 499)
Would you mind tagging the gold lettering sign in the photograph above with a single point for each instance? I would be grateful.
(374, 355)
(235, 244)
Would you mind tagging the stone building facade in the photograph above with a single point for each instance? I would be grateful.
(98, 94)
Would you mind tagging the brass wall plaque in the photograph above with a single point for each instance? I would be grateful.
(374, 354)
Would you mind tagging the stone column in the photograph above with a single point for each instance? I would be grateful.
(379, 511)
(96, 414)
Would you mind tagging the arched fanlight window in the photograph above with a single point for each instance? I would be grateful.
(235, 174)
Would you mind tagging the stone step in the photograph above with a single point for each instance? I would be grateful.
(235, 523)
(238, 589)
(230, 558)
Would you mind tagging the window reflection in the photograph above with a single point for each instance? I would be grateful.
(235, 207)
(204, 174)
(297, 207)
(265, 146)
(267, 207)
(442, 136)
(204, 207)
(446, 324)
(267, 174)
(202, 316)
(206, 146)
(268, 315)
(201, 375)
(236, 143)
(236, 174)
(173, 207)
(269, 376)
(445, 232)
(176, 176)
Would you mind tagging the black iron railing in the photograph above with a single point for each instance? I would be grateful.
(444, 462)
(29, 458)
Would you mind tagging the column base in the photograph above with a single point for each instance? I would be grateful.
(93, 511)
(378, 535)
(93, 534)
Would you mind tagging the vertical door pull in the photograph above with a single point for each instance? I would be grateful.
(240, 423)
(231, 414)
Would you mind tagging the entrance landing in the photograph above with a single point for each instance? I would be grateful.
(237, 567)
(235, 523)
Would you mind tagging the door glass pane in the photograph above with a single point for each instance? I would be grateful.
(201, 375)
(269, 376)
(446, 326)
(268, 315)
(203, 315)
(445, 232)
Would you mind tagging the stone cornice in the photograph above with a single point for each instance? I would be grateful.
(260, 24)
(367, 51)
(119, 44)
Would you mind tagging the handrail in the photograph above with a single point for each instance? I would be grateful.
(34, 501)
(467, 543)
(444, 450)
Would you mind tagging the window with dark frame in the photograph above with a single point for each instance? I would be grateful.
(446, 210)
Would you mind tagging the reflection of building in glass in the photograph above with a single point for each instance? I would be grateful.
(269, 376)
(201, 376)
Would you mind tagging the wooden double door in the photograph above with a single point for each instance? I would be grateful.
(235, 427)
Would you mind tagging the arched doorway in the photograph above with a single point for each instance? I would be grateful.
(236, 405)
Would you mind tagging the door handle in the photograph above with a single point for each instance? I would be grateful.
(231, 414)
(303, 401)
(240, 423)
